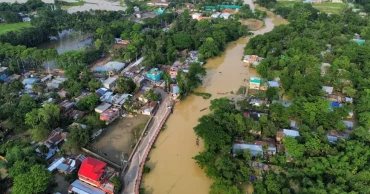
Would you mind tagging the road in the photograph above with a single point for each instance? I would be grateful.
(133, 171)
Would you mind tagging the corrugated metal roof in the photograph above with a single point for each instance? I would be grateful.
(84, 188)
(291, 133)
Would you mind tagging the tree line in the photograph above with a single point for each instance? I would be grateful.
(310, 163)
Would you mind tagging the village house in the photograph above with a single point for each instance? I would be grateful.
(274, 84)
(173, 72)
(66, 165)
(154, 75)
(96, 173)
(175, 91)
(62, 93)
(110, 67)
(252, 60)
(53, 142)
(258, 147)
(101, 91)
(56, 82)
(102, 107)
(324, 68)
(80, 187)
(74, 114)
(110, 115)
(149, 109)
(196, 16)
(28, 82)
(258, 102)
(254, 83)
(110, 83)
(328, 90)
(334, 135)
(4, 73)
(286, 132)
(254, 115)
(140, 96)
(348, 124)
(66, 105)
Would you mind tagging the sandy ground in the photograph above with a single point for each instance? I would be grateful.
(252, 24)
(118, 138)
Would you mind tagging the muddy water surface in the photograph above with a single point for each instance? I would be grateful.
(173, 169)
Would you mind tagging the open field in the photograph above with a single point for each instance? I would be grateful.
(327, 7)
(16, 26)
(119, 137)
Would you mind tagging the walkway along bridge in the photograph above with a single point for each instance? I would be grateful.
(132, 177)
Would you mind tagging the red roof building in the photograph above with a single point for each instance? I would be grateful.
(96, 173)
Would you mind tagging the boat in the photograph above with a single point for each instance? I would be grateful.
(203, 109)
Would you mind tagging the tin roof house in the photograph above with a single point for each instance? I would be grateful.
(334, 135)
(252, 60)
(286, 133)
(96, 173)
(54, 140)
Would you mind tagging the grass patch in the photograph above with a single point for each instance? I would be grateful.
(138, 130)
(204, 95)
(327, 7)
(242, 90)
(71, 4)
(13, 27)
(287, 3)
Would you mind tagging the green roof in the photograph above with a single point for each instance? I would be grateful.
(255, 80)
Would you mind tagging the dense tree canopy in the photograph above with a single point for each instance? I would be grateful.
(309, 163)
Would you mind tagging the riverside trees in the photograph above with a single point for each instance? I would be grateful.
(318, 166)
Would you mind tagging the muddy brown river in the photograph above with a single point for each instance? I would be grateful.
(173, 169)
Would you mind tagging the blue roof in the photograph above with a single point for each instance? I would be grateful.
(335, 104)
(175, 89)
(102, 91)
(273, 84)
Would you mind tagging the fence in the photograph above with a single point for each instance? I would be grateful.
(137, 144)
(138, 180)
(101, 158)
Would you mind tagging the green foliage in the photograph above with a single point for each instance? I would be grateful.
(125, 85)
(146, 169)
(189, 81)
(151, 95)
(203, 95)
(88, 103)
(78, 136)
(42, 120)
(18, 168)
(44, 149)
(37, 180)
(117, 184)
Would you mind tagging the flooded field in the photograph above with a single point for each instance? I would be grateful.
(173, 169)
(97, 5)
(67, 41)
(87, 6)
(119, 137)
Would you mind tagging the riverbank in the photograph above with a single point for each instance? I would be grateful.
(173, 169)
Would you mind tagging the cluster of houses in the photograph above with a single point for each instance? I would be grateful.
(93, 174)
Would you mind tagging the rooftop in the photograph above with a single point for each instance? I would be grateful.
(83, 188)
(110, 66)
(92, 168)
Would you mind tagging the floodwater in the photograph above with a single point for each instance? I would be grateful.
(67, 41)
(172, 168)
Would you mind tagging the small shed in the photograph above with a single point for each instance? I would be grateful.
(328, 89)
(102, 107)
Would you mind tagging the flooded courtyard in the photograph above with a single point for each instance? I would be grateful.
(173, 169)
(119, 138)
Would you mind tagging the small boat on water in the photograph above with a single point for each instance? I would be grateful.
(224, 93)
(203, 109)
